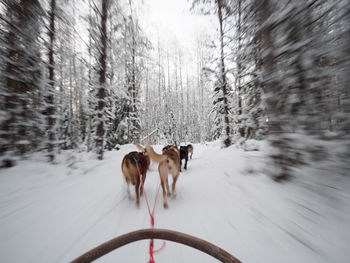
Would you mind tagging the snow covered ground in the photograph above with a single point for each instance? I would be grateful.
(54, 213)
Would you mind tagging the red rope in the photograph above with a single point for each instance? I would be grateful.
(151, 214)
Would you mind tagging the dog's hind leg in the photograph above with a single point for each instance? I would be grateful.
(143, 183)
(163, 174)
(165, 201)
(128, 190)
(167, 185)
(137, 190)
(186, 159)
(174, 183)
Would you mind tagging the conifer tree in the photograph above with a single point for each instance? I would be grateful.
(101, 90)
(50, 100)
(20, 78)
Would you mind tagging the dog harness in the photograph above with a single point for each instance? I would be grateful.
(132, 156)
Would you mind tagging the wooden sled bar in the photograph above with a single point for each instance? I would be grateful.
(163, 234)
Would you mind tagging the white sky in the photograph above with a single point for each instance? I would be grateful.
(172, 18)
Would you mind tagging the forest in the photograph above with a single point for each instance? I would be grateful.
(257, 90)
(85, 76)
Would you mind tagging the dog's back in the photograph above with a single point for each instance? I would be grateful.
(129, 168)
(134, 166)
(168, 147)
(165, 148)
(183, 152)
(170, 153)
(144, 152)
(169, 163)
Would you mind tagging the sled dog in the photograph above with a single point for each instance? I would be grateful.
(169, 163)
(131, 174)
(183, 155)
(171, 146)
(190, 150)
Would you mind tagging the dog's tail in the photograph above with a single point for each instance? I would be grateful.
(141, 149)
(155, 157)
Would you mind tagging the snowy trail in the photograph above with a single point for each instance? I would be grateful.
(55, 213)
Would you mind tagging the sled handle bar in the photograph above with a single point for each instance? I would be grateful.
(163, 234)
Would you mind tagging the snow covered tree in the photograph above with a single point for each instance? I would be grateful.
(131, 81)
(204, 92)
(101, 89)
(345, 76)
(20, 78)
(136, 45)
(222, 7)
(69, 77)
(276, 95)
(223, 11)
(50, 108)
(251, 116)
(217, 111)
(300, 77)
(90, 100)
(239, 65)
(97, 86)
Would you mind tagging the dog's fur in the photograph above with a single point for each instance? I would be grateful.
(165, 148)
(190, 150)
(169, 163)
(131, 173)
(144, 151)
(168, 147)
(183, 155)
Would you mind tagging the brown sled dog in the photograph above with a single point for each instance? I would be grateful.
(169, 163)
(174, 147)
(131, 174)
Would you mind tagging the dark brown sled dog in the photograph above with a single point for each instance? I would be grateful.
(131, 174)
